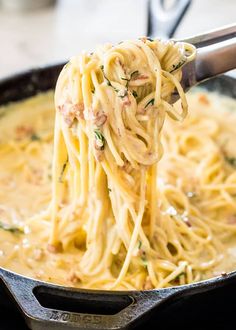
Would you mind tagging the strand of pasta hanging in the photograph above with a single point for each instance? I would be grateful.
(110, 108)
(194, 231)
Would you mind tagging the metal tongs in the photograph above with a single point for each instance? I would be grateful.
(216, 54)
(216, 50)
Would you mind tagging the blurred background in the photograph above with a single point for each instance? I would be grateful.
(38, 32)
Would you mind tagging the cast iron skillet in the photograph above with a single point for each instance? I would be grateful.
(55, 307)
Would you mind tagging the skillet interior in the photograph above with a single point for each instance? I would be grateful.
(30, 83)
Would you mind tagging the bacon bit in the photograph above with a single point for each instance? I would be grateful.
(55, 248)
(203, 99)
(35, 177)
(79, 110)
(140, 77)
(71, 111)
(99, 154)
(73, 277)
(141, 111)
(188, 223)
(148, 284)
(143, 39)
(126, 101)
(141, 253)
(185, 218)
(232, 219)
(67, 114)
(127, 167)
(38, 254)
(38, 276)
(23, 131)
(100, 119)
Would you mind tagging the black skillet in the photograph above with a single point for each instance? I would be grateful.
(47, 306)
(54, 307)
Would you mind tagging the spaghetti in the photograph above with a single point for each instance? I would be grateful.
(111, 106)
(120, 215)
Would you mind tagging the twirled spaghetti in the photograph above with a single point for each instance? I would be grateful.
(120, 216)
(111, 106)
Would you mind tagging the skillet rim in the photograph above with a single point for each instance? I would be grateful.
(32, 78)
(31, 74)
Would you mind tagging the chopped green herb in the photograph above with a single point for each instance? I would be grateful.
(108, 81)
(127, 81)
(124, 79)
(143, 255)
(151, 102)
(150, 39)
(178, 276)
(231, 161)
(134, 75)
(12, 229)
(135, 94)
(35, 137)
(144, 262)
(139, 244)
(109, 190)
(63, 171)
(177, 66)
(100, 140)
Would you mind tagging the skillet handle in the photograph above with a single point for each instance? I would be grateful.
(43, 305)
(51, 307)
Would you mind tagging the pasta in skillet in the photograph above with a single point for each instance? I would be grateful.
(120, 215)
